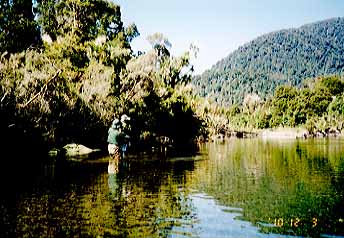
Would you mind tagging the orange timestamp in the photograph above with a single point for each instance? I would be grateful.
(297, 222)
(292, 222)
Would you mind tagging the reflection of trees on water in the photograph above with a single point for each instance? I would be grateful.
(141, 201)
(274, 182)
(148, 199)
(278, 182)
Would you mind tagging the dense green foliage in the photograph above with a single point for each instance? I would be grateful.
(83, 73)
(279, 58)
(317, 106)
(18, 29)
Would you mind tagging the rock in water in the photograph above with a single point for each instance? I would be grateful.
(77, 150)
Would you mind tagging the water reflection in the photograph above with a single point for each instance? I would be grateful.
(243, 188)
(295, 186)
(214, 220)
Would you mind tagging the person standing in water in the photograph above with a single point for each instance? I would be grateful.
(126, 130)
(115, 140)
(118, 142)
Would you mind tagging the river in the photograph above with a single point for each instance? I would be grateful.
(240, 188)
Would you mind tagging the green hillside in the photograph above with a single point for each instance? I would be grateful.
(282, 57)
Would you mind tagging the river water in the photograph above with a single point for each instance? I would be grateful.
(241, 188)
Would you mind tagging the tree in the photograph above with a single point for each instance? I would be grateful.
(18, 28)
(251, 103)
(172, 70)
(85, 19)
(161, 44)
(85, 31)
(333, 83)
(150, 90)
(45, 10)
(282, 98)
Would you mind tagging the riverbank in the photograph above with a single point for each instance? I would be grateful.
(278, 133)
(275, 133)
(284, 133)
(295, 133)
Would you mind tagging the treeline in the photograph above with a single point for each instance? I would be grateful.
(278, 58)
(67, 69)
(318, 106)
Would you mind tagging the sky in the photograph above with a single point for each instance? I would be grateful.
(218, 27)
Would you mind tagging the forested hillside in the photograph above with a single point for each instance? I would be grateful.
(278, 58)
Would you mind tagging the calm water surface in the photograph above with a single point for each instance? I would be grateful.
(242, 188)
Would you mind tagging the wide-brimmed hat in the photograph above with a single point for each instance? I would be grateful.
(125, 118)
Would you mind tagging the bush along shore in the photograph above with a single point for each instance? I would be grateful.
(277, 133)
(317, 108)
